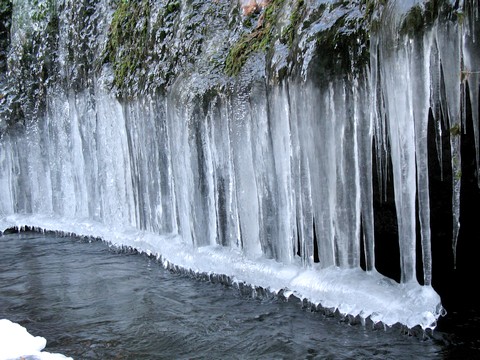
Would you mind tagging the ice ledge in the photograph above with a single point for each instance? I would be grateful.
(367, 295)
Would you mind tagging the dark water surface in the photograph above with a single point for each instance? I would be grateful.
(91, 301)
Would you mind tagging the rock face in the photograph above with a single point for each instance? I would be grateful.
(303, 131)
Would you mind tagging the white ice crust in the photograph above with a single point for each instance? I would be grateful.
(349, 291)
(17, 343)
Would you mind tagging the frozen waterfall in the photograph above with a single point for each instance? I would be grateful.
(269, 184)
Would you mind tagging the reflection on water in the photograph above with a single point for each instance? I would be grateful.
(91, 301)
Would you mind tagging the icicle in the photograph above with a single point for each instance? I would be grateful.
(303, 145)
(365, 137)
(6, 178)
(471, 73)
(396, 80)
(449, 46)
(279, 113)
(322, 166)
(435, 102)
(474, 85)
(420, 61)
(348, 182)
(180, 153)
(245, 176)
(377, 115)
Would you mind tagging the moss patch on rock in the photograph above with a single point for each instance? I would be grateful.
(345, 40)
(288, 34)
(256, 40)
(28, 64)
(5, 23)
(127, 40)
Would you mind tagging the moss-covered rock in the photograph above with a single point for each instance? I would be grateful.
(127, 41)
(288, 34)
(5, 23)
(258, 39)
(151, 43)
(343, 42)
(31, 63)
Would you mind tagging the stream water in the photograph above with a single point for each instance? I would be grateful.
(93, 301)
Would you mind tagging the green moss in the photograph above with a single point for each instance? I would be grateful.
(127, 40)
(455, 130)
(372, 10)
(345, 42)
(132, 40)
(172, 7)
(458, 175)
(371, 5)
(256, 40)
(5, 7)
(414, 22)
(40, 11)
(240, 52)
(32, 62)
(289, 33)
(5, 23)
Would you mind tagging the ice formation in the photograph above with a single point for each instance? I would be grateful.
(248, 181)
(17, 343)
